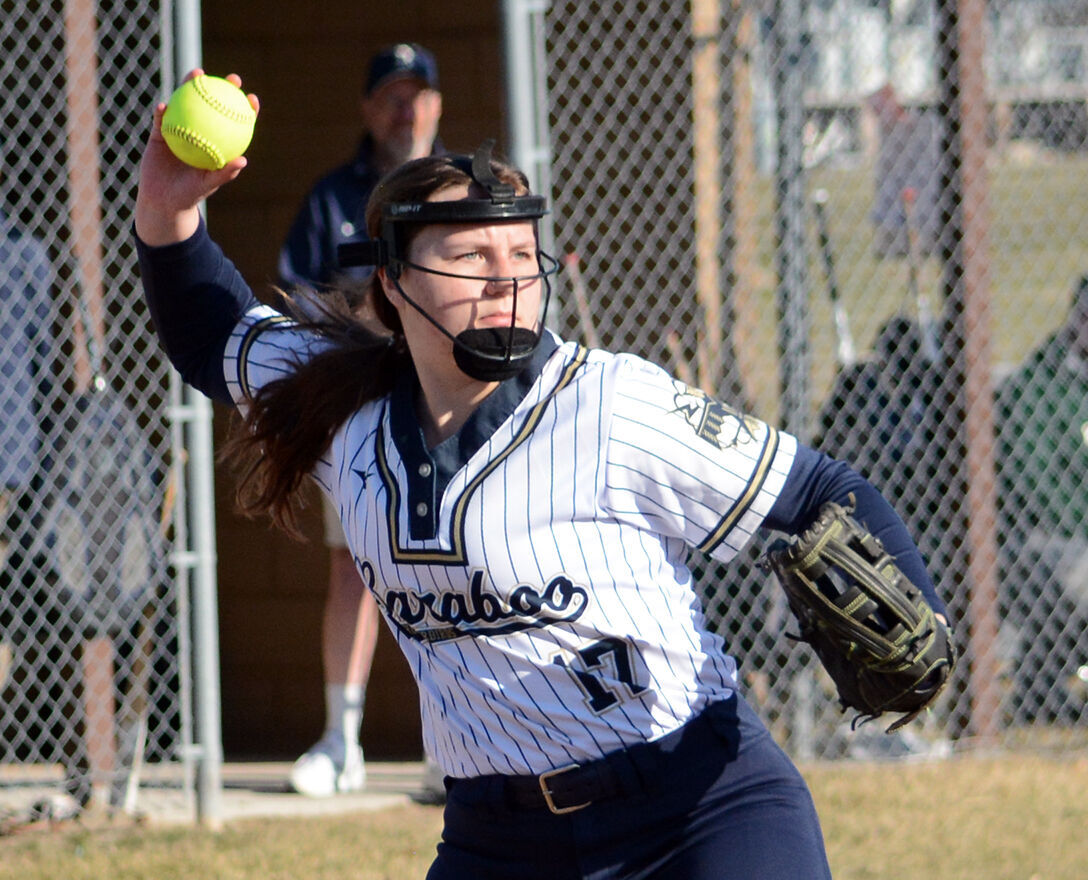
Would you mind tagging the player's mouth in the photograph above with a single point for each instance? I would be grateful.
(496, 319)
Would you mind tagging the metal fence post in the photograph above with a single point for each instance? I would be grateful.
(526, 97)
(201, 469)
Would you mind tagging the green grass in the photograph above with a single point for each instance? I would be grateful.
(1014, 817)
(1037, 229)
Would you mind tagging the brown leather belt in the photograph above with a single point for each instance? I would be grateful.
(567, 789)
(622, 773)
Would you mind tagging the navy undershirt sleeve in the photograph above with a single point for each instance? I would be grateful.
(195, 297)
(815, 479)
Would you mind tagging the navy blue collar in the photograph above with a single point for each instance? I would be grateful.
(430, 470)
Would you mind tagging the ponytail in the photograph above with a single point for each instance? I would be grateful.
(289, 423)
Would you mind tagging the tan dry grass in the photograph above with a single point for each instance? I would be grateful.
(1015, 816)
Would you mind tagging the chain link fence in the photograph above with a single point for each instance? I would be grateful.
(864, 222)
(841, 215)
(90, 667)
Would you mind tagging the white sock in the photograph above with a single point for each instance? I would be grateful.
(344, 711)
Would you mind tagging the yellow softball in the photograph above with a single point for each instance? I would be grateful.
(208, 122)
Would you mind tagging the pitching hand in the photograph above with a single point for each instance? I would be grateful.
(170, 192)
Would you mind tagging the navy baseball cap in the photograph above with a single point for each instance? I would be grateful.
(399, 62)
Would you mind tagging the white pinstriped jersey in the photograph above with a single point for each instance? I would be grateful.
(548, 613)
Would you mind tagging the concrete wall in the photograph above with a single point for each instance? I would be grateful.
(306, 63)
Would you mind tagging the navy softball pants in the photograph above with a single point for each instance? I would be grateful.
(715, 800)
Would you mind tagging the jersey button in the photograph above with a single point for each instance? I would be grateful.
(425, 469)
(421, 508)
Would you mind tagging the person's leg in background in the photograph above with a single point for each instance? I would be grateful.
(348, 638)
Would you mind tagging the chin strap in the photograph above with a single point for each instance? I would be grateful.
(490, 354)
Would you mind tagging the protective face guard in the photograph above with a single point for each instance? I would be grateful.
(489, 354)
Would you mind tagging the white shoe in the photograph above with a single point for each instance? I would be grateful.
(57, 807)
(329, 768)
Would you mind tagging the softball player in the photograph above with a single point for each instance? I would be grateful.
(522, 509)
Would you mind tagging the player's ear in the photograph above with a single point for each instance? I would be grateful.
(386, 278)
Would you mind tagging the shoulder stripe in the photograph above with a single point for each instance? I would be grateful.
(246, 344)
(759, 477)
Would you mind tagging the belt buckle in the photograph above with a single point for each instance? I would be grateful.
(547, 792)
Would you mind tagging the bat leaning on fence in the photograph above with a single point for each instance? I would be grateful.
(926, 324)
(581, 300)
(845, 351)
(589, 327)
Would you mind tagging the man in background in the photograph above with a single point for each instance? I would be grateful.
(400, 108)
(907, 162)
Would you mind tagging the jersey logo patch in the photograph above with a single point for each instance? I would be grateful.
(713, 421)
(453, 614)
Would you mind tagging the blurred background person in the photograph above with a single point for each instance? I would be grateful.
(400, 108)
(908, 158)
(877, 415)
(1042, 464)
(881, 415)
(41, 715)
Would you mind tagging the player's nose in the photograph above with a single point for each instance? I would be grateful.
(499, 285)
(501, 273)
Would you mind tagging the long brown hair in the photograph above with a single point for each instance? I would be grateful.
(290, 422)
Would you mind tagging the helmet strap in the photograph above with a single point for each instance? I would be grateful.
(487, 354)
